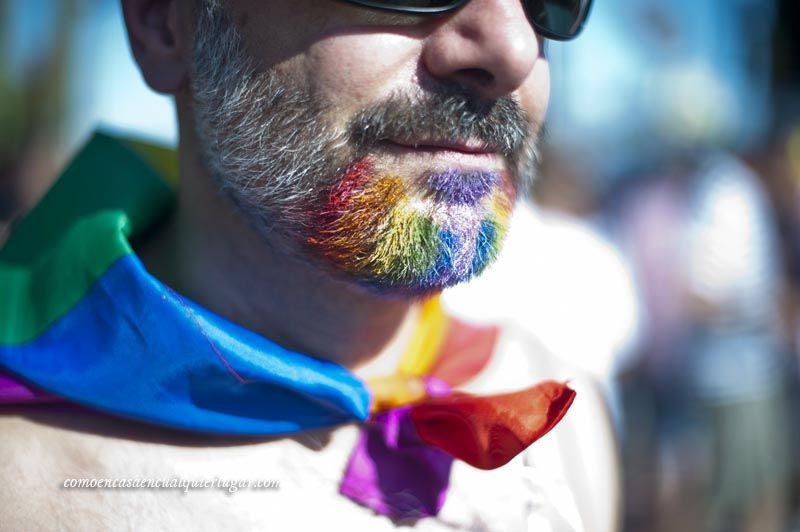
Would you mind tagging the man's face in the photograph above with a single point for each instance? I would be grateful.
(387, 149)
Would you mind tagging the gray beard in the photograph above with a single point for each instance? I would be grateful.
(263, 138)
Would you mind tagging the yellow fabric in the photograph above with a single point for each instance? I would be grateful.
(394, 391)
(426, 341)
(161, 158)
(406, 385)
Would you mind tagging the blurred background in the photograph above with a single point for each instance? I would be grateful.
(662, 253)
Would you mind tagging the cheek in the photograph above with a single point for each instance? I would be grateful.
(534, 94)
(350, 71)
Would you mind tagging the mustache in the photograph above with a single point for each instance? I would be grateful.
(447, 113)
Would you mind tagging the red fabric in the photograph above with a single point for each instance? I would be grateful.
(487, 432)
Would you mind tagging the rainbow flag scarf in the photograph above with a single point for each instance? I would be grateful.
(83, 321)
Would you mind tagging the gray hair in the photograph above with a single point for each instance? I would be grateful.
(263, 137)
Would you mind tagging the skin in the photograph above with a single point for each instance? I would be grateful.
(353, 57)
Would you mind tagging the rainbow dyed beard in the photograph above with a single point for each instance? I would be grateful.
(268, 146)
(413, 238)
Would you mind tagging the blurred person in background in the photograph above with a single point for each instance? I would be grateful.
(34, 95)
(737, 362)
(778, 162)
(704, 244)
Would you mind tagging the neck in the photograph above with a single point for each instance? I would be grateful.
(209, 253)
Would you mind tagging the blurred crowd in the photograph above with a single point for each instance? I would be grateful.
(695, 179)
(662, 253)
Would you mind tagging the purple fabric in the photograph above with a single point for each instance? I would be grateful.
(436, 387)
(14, 392)
(392, 471)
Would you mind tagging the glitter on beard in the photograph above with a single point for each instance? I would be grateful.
(379, 230)
(461, 187)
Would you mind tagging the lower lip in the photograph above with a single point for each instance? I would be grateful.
(479, 158)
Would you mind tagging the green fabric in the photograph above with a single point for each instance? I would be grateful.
(75, 233)
(106, 174)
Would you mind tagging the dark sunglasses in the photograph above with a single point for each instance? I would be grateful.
(560, 20)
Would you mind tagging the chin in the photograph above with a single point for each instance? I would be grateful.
(457, 260)
(390, 238)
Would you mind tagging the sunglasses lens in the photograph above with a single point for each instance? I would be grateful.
(558, 19)
(555, 19)
(410, 5)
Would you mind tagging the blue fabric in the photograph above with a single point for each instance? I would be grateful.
(132, 347)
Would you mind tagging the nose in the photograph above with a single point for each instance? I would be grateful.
(488, 46)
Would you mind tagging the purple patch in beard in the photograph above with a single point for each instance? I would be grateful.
(461, 187)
